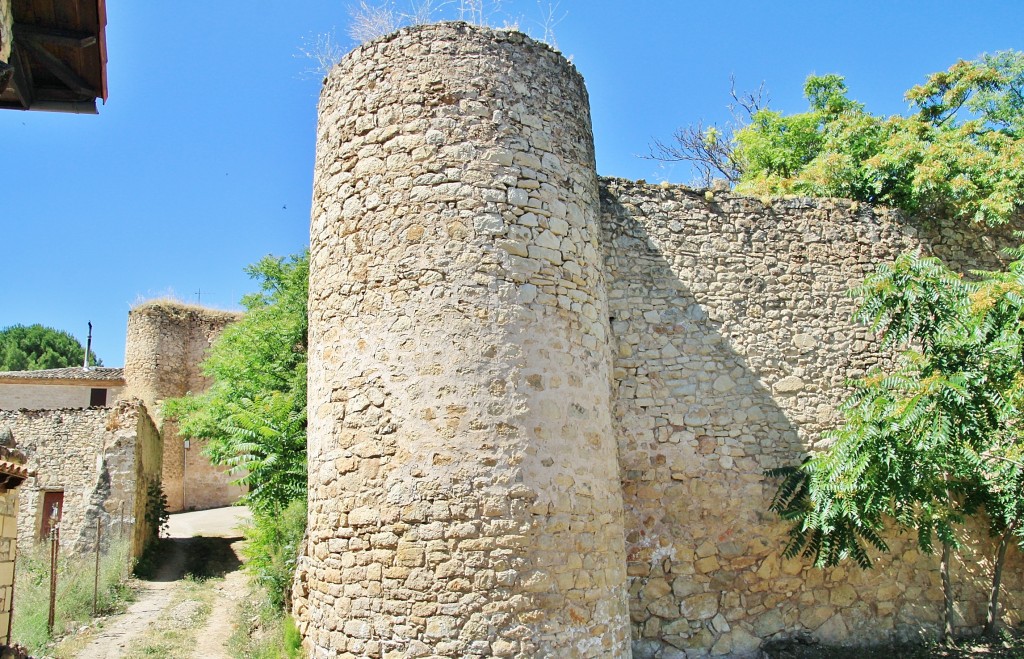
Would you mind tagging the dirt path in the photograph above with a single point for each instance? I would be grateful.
(213, 639)
(205, 543)
(153, 598)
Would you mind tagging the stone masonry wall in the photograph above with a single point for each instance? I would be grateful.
(6, 31)
(540, 407)
(165, 345)
(8, 554)
(464, 496)
(134, 472)
(102, 459)
(732, 342)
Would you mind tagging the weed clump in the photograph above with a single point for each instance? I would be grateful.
(75, 575)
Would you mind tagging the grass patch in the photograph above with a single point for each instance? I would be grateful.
(75, 575)
(264, 631)
(175, 306)
(272, 549)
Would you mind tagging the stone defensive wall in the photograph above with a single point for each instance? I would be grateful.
(102, 460)
(165, 345)
(732, 342)
(541, 403)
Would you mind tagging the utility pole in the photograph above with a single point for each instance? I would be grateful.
(184, 473)
(88, 348)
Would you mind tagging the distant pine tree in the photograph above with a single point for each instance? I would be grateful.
(35, 347)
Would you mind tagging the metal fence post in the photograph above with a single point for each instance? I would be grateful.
(96, 579)
(54, 549)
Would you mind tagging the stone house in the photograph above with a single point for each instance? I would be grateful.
(89, 464)
(93, 454)
(61, 388)
(53, 58)
(96, 439)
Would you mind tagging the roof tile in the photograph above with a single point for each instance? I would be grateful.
(69, 373)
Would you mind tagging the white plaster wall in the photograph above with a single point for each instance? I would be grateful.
(52, 396)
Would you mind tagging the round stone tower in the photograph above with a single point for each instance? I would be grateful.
(464, 490)
(166, 344)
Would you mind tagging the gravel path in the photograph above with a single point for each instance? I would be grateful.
(154, 595)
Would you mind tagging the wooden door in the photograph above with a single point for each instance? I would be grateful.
(50, 499)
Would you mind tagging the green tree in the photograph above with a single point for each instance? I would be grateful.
(254, 412)
(36, 347)
(959, 153)
(930, 442)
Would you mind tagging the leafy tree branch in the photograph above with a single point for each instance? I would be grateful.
(959, 153)
(254, 413)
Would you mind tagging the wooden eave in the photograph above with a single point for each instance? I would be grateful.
(59, 56)
(13, 474)
(13, 471)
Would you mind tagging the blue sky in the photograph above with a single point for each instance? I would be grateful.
(201, 161)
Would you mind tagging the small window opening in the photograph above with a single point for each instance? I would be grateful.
(98, 398)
